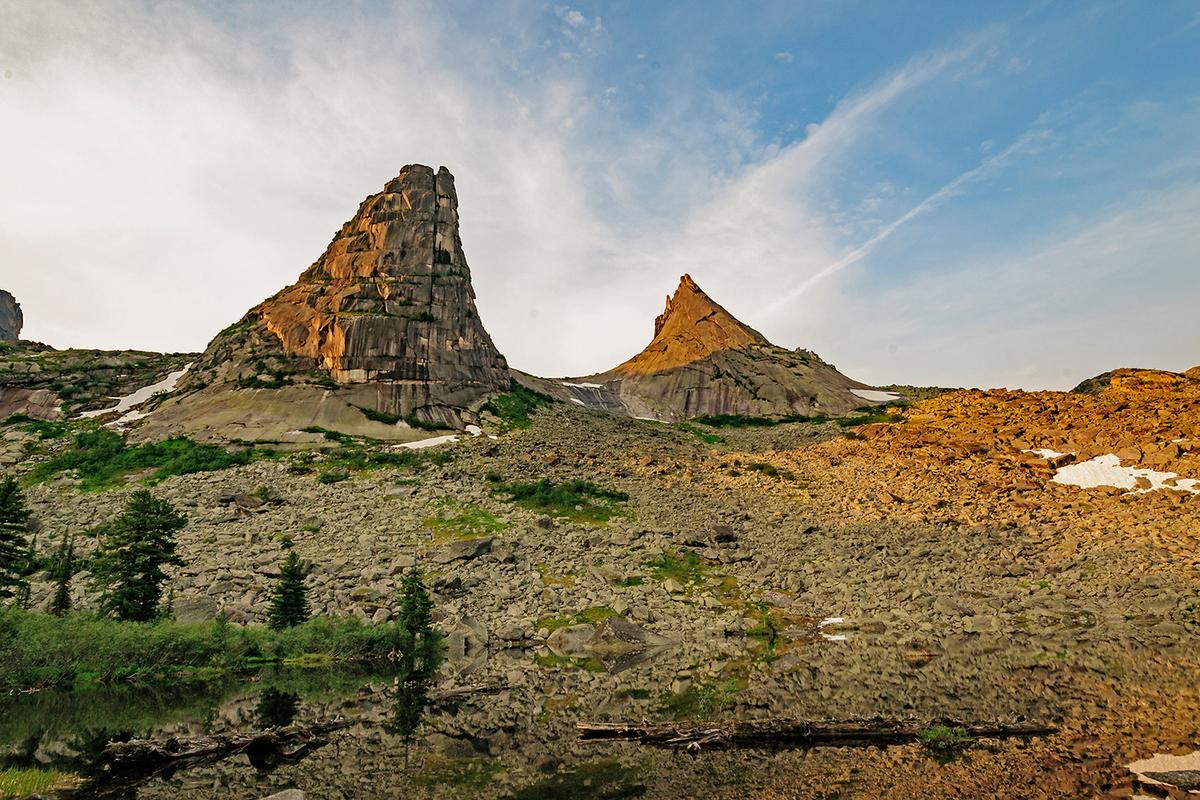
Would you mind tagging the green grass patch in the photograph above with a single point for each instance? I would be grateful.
(22, 782)
(333, 476)
(582, 501)
(45, 429)
(686, 567)
(515, 408)
(748, 421)
(102, 458)
(463, 520)
(589, 616)
(702, 435)
(466, 775)
(770, 470)
(410, 420)
(81, 649)
(701, 700)
(550, 579)
(944, 742)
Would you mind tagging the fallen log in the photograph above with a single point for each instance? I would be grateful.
(792, 733)
(265, 749)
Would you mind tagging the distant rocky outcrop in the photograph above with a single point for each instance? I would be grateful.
(381, 328)
(704, 361)
(11, 318)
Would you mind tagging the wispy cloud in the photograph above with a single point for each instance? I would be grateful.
(1025, 143)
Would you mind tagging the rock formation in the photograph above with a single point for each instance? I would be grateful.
(704, 361)
(385, 319)
(11, 319)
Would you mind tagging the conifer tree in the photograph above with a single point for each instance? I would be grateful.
(289, 603)
(416, 609)
(134, 547)
(14, 540)
(416, 621)
(62, 572)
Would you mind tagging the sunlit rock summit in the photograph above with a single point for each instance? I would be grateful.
(704, 361)
(383, 325)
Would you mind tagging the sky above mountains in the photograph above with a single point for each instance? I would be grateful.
(1002, 194)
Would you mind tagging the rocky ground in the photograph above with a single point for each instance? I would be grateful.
(969, 587)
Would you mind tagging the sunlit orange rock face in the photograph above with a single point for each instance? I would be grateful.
(391, 297)
(389, 304)
(691, 327)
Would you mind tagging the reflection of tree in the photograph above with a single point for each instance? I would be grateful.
(275, 708)
(419, 658)
(408, 706)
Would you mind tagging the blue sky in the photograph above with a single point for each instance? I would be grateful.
(1000, 194)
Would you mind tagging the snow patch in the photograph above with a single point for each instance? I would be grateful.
(1164, 763)
(126, 405)
(577, 400)
(1106, 470)
(876, 395)
(433, 442)
(583, 385)
(474, 430)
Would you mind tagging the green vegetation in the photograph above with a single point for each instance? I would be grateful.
(23, 782)
(43, 428)
(555, 661)
(861, 416)
(393, 419)
(289, 601)
(333, 476)
(916, 394)
(515, 407)
(944, 742)
(360, 455)
(463, 520)
(101, 458)
(416, 616)
(606, 779)
(582, 501)
(770, 470)
(133, 549)
(704, 436)
(14, 539)
(467, 775)
(700, 700)
(62, 569)
(589, 616)
(81, 650)
(686, 567)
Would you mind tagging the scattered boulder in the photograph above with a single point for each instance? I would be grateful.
(463, 550)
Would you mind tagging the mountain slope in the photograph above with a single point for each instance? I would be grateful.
(704, 361)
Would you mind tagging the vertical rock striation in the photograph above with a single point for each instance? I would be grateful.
(388, 305)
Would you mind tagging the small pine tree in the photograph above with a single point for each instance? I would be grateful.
(14, 541)
(134, 547)
(289, 603)
(62, 572)
(416, 609)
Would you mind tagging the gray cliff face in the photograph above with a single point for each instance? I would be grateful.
(11, 319)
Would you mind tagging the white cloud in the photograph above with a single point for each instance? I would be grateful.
(785, 57)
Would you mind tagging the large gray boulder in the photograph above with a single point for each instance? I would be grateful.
(11, 319)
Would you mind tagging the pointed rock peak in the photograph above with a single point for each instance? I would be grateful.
(691, 327)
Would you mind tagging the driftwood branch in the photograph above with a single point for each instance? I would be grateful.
(265, 748)
(787, 733)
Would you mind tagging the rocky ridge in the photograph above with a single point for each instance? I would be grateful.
(704, 361)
